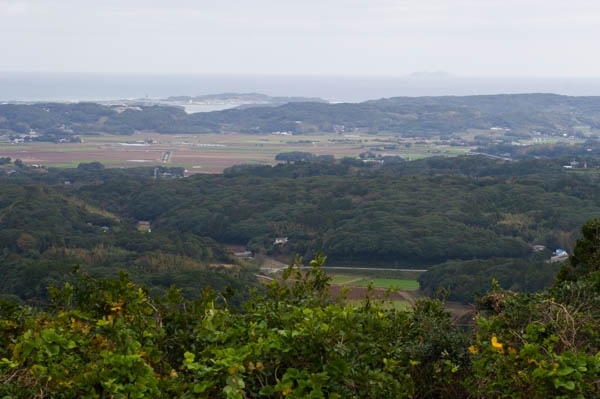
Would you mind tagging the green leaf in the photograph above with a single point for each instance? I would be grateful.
(201, 387)
(52, 349)
(539, 372)
(266, 391)
(565, 370)
(49, 335)
(189, 357)
(103, 322)
(570, 385)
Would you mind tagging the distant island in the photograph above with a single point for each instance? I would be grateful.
(217, 102)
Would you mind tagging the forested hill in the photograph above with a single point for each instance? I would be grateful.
(410, 116)
(464, 219)
(47, 232)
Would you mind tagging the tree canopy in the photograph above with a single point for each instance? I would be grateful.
(109, 338)
(460, 218)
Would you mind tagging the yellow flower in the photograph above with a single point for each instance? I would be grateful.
(497, 346)
(473, 349)
(512, 351)
(286, 391)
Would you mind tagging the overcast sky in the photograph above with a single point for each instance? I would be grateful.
(545, 38)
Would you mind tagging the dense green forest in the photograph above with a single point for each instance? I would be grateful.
(47, 231)
(480, 216)
(521, 114)
(464, 219)
(108, 338)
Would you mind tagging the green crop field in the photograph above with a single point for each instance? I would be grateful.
(364, 279)
(399, 284)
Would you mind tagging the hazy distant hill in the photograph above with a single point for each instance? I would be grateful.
(409, 116)
(240, 100)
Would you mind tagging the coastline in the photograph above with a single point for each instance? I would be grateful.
(36, 87)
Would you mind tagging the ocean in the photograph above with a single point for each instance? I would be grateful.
(102, 87)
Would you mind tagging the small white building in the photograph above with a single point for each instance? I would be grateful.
(559, 255)
(281, 240)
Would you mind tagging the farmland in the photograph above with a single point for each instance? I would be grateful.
(399, 288)
(400, 280)
(212, 153)
(60, 134)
